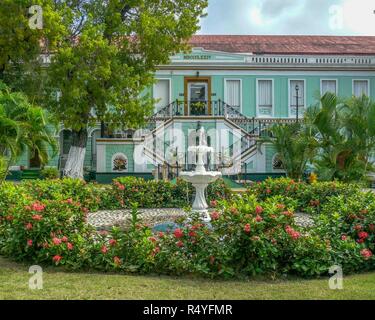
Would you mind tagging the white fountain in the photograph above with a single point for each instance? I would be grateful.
(200, 178)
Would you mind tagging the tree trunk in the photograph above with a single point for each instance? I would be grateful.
(74, 164)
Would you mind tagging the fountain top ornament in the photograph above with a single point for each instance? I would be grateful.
(200, 177)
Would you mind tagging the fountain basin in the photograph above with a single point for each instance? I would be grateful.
(200, 181)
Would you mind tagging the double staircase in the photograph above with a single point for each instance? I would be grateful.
(251, 130)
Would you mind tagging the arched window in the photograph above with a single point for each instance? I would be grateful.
(277, 163)
(119, 163)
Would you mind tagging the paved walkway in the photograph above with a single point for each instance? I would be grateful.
(108, 218)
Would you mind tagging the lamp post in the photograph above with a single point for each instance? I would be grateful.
(297, 90)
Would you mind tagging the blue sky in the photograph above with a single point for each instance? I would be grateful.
(314, 17)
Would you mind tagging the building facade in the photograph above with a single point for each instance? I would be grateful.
(233, 86)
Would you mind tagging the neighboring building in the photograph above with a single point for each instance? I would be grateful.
(234, 86)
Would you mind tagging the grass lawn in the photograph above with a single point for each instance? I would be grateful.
(63, 285)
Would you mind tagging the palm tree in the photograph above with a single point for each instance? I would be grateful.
(347, 137)
(295, 144)
(22, 126)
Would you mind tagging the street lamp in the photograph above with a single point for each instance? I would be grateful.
(297, 90)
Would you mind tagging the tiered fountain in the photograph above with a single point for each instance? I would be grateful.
(200, 177)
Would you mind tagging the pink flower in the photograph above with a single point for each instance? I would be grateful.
(37, 217)
(56, 258)
(294, 234)
(180, 244)
(30, 242)
(64, 239)
(192, 234)
(178, 233)
(268, 191)
(258, 219)
(69, 201)
(161, 234)
(213, 203)
(112, 242)
(344, 237)
(247, 228)
(117, 261)
(258, 210)
(215, 215)
(29, 226)
(288, 213)
(366, 253)
(104, 249)
(152, 239)
(69, 246)
(56, 241)
(121, 187)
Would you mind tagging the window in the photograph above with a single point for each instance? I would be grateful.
(293, 97)
(360, 87)
(265, 98)
(119, 163)
(233, 93)
(162, 93)
(328, 86)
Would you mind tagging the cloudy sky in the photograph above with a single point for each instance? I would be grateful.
(324, 17)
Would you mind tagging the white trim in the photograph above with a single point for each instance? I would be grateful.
(329, 79)
(225, 90)
(291, 72)
(169, 88)
(304, 95)
(257, 97)
(368, 86)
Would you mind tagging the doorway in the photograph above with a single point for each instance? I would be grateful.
(198, 96)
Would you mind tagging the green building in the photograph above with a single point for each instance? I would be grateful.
(233, 86)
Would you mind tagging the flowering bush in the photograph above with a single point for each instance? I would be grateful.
(158, 194)
(310, 197)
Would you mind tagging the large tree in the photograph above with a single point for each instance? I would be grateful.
(106, 61)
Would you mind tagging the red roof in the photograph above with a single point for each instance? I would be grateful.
(314, 45)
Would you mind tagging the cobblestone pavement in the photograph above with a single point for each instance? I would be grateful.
(108, 218)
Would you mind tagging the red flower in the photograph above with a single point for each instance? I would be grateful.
(363, 235)
(69, 246)
(37, 217)
(29, 226)
(294, 234)
(152, 239)
(178, 233)
(56, 241)
(258, 210)
(192, 234)
(64, 239)
(69, 201)
(268, 191)
(121, 187)
(180, 244)
(215, 215)
(56, 258)
(112, 242)
(37, 206)
(288, 213)
(247, 228)
(161, 234)
(30, 242)
(344, 237)
(280, 206)
(104, 249)
(258, 219)
(366, 253)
